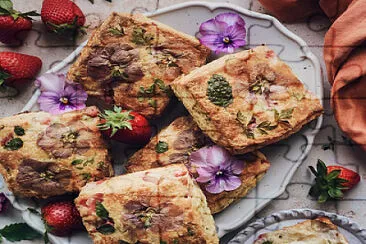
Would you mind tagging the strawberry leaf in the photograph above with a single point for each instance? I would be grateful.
(6, 5)
(116, 120)
(327, 185)
(3, 77)
(19, 232)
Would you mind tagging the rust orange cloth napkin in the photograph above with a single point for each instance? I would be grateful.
(344, 55)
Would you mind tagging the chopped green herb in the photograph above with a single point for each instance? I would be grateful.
(298, 96)
(190, 232)
(153, 103)
(268, 242)
(12, 232)
(162, 86)
(260, 86)
(86, 176)
(76, 161)
(244, 120)
(19, 131)
(219, 91)
(13, 144)
(161, 147)
(265, 126)
(146, 92)
(140, 37)
(117, 31)
(101, 211)
(106, 229)
(88, 161)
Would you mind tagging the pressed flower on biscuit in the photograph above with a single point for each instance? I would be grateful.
(224, 33)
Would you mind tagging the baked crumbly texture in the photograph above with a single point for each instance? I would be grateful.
(44, 155)
(174, 144)
(247, 100)
(130, 61)
(162, 205)
(317, 231)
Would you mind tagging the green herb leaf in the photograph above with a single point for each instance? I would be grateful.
(101, 211)
(153, 103)
(106, 229)
(19, 232)
(140, 37)
(219, 91)
(259, 86)
(86, 176)
(117, 31)
(161, 147)
(268, 242)
(76, 161)
(244, 119)
(13, 144)
(327, 185)
(19, 131)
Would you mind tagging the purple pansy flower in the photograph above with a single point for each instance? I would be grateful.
(218, 168)
(3, 202)
(60, 95)
(223, 33)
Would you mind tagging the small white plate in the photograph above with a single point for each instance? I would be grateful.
(353, 233)
(285, 156)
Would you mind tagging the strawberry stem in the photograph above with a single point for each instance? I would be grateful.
(116, 120)
(3, 77)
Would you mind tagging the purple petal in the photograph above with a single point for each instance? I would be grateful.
(76, 95)
(51, 82)
(231, 19)
(199, 157)
(230, 183)
(237, 35)
(217, 156)
(236, 166)
(211, 41)
(221, 184)
(205, 174)
(49, 102)
(212, 27)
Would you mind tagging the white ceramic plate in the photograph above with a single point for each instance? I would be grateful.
(353, 233)
(285, 156)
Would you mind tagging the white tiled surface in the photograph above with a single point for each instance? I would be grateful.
(52, 50)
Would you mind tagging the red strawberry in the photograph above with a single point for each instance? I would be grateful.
(125, 126)
(332, 181)
(18, 67)
(12, 22)
(61, 218)
(352, 177)
(62, 16)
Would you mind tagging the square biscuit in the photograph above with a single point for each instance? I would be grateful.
(44, 155)
(247, 100)
(135, 208)
(130, 61)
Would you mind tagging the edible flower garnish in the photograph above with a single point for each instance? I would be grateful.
(218, 168)
(224, 33)
(3, 202)
(60, 95)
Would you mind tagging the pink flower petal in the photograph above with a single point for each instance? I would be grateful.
(199, 157)
(231, 19)
(236, 166)
(205, 175)
(214, 187)
(51, 82)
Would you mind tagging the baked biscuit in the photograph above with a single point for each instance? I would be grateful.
(247, 100)
(174, 144)
(320, 230)
(43, 155)
(161, 205)
(130, 61)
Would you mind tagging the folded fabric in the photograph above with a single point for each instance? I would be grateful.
(344, 55)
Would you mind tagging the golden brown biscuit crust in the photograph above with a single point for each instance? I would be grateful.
(268, 102)
(130, 61)
(161, 205)
(59, 155)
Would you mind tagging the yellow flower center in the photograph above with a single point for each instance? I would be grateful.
(226, 40)
(64, 100)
